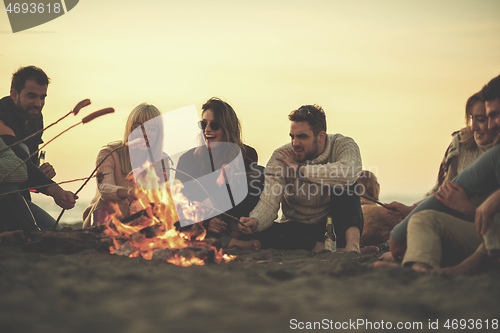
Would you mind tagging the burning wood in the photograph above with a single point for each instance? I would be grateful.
(149, 232)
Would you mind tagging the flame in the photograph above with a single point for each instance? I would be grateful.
(154, 230)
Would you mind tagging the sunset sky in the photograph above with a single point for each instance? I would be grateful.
(393, 75)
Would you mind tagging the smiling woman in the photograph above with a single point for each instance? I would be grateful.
(220, 126)
(466, 146)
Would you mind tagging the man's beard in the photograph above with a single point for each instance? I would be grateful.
(313, 153)
(26, 112)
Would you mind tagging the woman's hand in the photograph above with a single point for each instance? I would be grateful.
(454, 197)
(216, 225)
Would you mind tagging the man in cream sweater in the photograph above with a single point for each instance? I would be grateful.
(312, 177)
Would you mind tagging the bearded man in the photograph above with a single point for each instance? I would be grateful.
(311, 178)
(20, 117)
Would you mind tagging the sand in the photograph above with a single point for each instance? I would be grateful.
(264, 291)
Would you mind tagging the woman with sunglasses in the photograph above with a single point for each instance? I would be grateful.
(220, 126)
(113, 185)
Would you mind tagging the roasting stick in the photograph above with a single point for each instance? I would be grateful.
(77, 108)
(309, 181)
(85, 120)
(87, 180)
(42, 186)
(209, 196)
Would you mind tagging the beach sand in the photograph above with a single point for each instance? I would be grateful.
(264, 291)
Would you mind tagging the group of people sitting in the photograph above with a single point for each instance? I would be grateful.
(310, 179)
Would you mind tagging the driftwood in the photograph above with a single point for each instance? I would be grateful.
(67, 242)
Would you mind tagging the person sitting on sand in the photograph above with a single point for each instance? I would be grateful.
(467, 145)
(16, 214)
(436, 225)
(310, 178)
(20, 117)
(220, 124)
(114, 161)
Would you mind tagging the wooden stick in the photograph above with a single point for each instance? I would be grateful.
(76, 109)
(309, 181)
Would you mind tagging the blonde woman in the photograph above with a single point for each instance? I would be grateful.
(142, 139)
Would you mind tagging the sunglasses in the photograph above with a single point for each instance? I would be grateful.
(304, 112)
(213, 125)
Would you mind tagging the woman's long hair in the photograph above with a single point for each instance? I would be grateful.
(230, 124)
(139, 115)
(467, 134)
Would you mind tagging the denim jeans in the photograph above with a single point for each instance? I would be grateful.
(17, 213)
(483, 176)
(345, 210)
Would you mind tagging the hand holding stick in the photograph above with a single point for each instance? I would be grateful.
(85, 120)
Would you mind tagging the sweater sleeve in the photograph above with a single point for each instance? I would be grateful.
(343, 167)
(36, 177)
(9, 161)
(107, 187)
(266, 211)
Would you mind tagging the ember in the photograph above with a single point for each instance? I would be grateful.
(151, 233)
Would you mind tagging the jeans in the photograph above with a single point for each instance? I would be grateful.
(17, 213)
(346, 212)
(483, 176)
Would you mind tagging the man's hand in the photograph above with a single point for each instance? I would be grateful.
(249, 224)
(216, 225)
(398, 250)
(402, 209)
(486, 211)
(64, 199)
(48, 169)
(454, 196)
(289, 159)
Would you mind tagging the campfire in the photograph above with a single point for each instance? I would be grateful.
(149, 232)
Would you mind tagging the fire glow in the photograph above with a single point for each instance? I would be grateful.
(153, 234)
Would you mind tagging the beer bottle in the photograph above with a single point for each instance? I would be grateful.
(330, 237)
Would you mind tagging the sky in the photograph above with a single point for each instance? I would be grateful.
(393, 75)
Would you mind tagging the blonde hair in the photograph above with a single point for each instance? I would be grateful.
(139, 115)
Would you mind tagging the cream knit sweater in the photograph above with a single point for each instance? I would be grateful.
(306, 199)
(456, 159)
